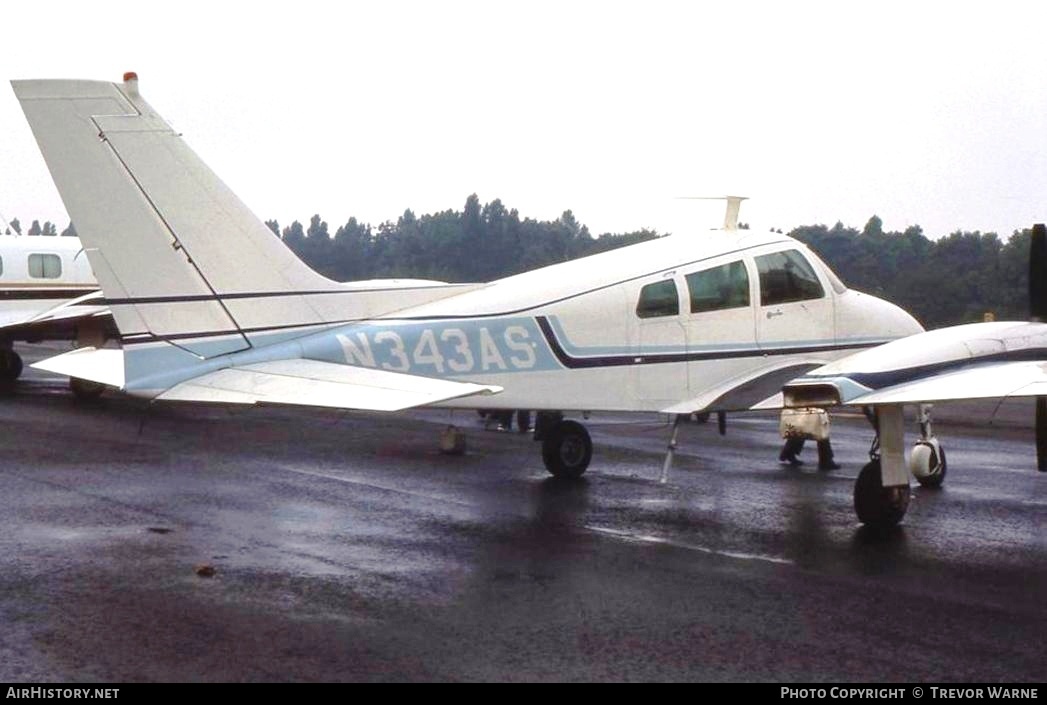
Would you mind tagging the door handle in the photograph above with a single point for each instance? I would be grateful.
(772, 314)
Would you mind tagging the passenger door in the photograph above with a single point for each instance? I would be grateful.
(795, 311)
(660, 375)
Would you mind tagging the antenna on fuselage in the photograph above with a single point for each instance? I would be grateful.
(734, 206)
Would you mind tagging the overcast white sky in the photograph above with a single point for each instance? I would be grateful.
(923, 113)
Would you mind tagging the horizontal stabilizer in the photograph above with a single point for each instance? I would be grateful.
(994, 380)
(104, 365)
(313, 383)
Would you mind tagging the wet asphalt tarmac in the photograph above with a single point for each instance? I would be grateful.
(345, 547)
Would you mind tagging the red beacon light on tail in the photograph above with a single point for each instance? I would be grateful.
(131, 83)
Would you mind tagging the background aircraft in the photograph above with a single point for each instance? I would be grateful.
(210, 306)
(990, 360)
(47, 292)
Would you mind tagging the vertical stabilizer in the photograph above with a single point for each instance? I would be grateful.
(179, 257)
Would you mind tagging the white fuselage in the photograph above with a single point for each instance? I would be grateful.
(571, 336)
(39, 273)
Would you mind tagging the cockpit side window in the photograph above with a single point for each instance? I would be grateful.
(658, 299)
(723, 287)
(786, 277)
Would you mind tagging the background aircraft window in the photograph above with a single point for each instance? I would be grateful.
(1, 266)
(787, 276)
(658, 299)
(45, 266)
(718, 288)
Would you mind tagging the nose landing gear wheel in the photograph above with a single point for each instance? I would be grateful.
(927, 463)
(567, 450)
(878, 506)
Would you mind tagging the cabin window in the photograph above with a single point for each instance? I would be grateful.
(45, 266)
(726, 286)
(1, 266)
(658, 299)
(786, 277)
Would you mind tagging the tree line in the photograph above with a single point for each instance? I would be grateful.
(954, 279)
(478, 243)
(35, 229)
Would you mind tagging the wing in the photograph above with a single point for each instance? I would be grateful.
(745, 391)
(990, 380)
(293, 381)
(973, 361)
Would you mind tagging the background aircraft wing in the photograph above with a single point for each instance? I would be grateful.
(60, 321)
(313, 383)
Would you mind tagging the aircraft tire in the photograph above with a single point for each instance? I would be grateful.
(85, 390)
(567, 450)
(934, 460)
(10, 365)
(878, 506)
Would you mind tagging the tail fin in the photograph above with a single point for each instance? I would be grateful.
(178, 255)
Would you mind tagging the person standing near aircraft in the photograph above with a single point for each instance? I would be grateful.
(794, 446)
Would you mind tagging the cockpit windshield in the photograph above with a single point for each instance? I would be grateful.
(834, 281)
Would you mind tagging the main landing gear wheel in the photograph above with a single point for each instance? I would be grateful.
(84, 389)
(927, 463)
(10, 365)
(878, 506)
(567, 450)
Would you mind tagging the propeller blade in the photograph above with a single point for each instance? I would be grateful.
(1038, 273)
(1041, 434)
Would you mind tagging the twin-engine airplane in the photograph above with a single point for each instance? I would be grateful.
(211, 307)
(996, 360)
